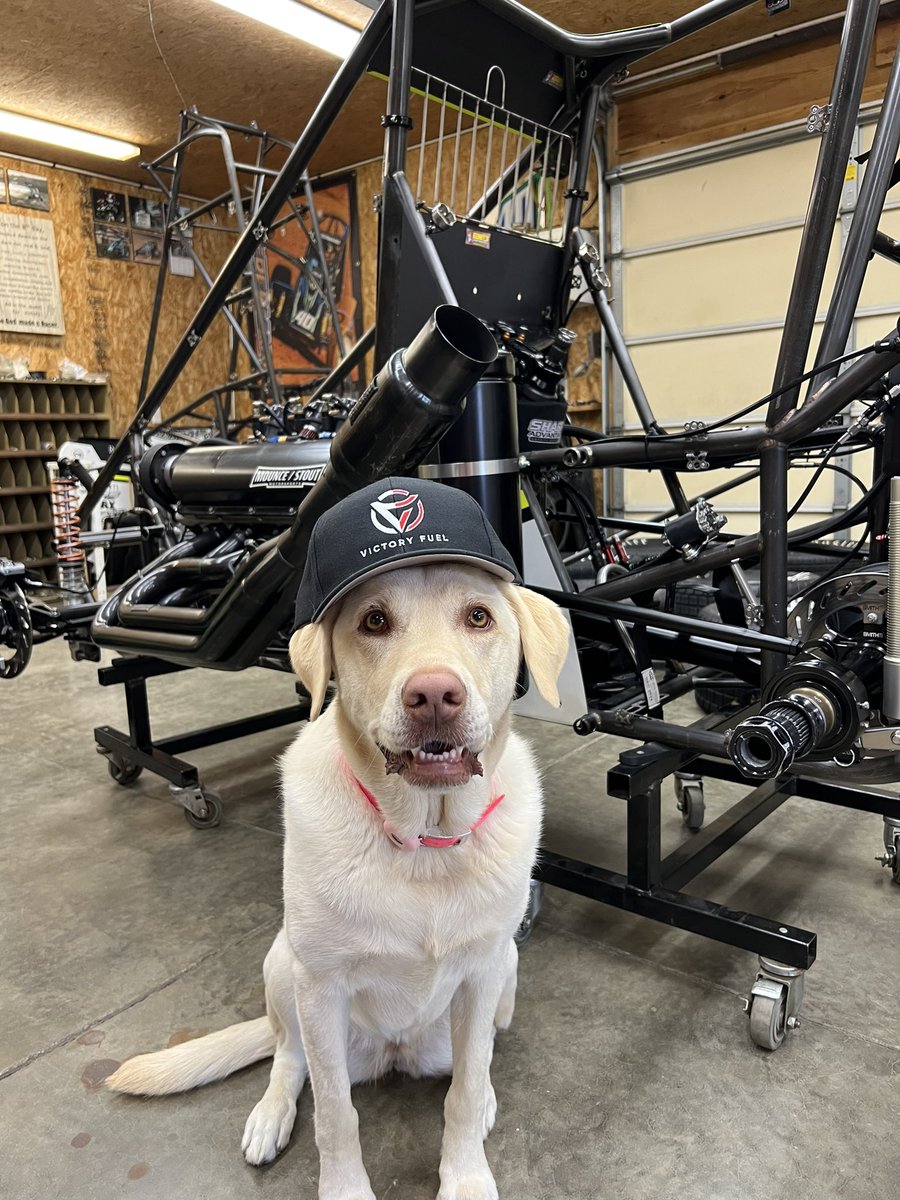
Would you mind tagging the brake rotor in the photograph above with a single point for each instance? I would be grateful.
(850, 606)
(16, 632)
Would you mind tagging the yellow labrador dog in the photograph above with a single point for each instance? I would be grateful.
(412, 813)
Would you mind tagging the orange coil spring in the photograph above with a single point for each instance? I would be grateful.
(66, 521)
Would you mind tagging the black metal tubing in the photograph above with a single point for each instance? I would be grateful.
(745, 931)
(351, 359)
(828, 182)
(138, 748)
(631, 379)
(711, 842)
(641, 41)
(814, 781)
(773, 545)
(855, 257)
(631, 614)
(693, 739)
(327, 110)
(803, 425)
(214, 735)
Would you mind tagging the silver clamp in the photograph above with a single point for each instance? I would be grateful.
(588, 258)
(819, 118)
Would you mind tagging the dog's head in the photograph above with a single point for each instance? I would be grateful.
(426, 658)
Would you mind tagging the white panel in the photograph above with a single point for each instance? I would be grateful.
(725, 283)
(736, 193)
(705, 378)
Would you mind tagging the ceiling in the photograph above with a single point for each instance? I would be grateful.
(95, 64)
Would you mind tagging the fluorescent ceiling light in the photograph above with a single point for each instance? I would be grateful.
(299, 21)
(36, 130)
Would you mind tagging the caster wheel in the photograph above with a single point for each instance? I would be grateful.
(690, 802)
(890, 858)
(768, 1019)
(535, 900)
(124, 773)
(213, 813)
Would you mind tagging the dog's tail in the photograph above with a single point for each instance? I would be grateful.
(191, 1064)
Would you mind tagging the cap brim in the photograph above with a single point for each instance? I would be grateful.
(426, 557)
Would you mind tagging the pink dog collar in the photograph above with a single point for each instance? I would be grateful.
(432, 840)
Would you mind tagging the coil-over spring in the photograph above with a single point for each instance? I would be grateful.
(67, 530)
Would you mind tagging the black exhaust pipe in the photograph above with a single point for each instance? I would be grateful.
(412, 402)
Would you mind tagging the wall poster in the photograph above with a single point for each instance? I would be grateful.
(303, 333)
(30, 297)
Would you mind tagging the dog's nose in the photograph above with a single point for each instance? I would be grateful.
(433, 697)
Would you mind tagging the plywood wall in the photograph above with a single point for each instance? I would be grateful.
(767, 90)
(107, 303)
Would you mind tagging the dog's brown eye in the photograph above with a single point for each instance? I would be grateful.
(374, 622)
(480, 618)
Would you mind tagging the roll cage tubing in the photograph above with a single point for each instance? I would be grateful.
(607, 54)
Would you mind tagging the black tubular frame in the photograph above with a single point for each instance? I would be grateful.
(651, 884)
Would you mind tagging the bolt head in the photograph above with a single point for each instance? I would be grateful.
(793, 1022)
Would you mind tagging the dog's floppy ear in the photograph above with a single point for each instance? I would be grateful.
(545, 638)
(310, 651)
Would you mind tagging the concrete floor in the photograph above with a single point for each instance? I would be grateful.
(628, 1073)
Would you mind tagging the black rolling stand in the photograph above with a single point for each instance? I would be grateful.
(130, 753)
(652, 885)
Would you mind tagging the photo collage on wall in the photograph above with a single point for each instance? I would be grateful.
(130, 228)
(24, 190)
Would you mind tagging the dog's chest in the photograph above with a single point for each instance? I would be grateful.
(408, 920)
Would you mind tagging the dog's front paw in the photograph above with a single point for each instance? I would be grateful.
(345, 1185)
(268, 1129)
(471, 1180)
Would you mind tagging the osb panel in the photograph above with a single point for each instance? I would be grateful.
(107, 303)
(115, 81)
(765, 91)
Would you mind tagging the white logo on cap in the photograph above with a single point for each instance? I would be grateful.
(397, 511)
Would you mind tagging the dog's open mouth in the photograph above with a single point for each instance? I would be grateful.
(433, 763)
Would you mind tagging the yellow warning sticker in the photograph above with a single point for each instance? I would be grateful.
(850, 173)
(479, 237)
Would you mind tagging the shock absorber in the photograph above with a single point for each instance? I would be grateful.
(891, 681)
(67, 529)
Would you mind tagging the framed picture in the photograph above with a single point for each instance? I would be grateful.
(28, 191)
(112, 241)
(180, 261)
(303, 324)
(146, 247)
(145, 212)
(108, 207)
(2, 186)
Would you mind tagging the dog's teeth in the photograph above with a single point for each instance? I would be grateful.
(421, 755)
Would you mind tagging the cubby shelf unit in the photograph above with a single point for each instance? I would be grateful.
(37, 416)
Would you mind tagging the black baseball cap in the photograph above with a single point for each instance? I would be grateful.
(396, 522)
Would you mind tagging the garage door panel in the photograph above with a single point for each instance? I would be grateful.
(675, 302)
(705, 378)
(739, 193)
(720, 284)
(645, 492)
